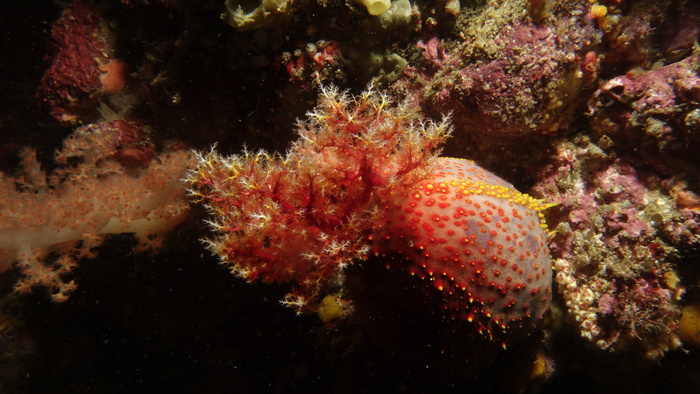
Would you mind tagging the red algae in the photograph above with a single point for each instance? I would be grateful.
(84, 66)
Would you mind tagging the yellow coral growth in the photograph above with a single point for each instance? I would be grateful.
(689, 328)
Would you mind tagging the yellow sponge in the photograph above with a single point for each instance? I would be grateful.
(376, 7)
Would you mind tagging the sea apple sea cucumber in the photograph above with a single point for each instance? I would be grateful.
(476, 239)
(361, 205)
(473, 251)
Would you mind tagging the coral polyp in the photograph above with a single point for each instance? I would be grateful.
(304, 216)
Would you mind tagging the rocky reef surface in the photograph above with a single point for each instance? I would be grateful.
(150, 148)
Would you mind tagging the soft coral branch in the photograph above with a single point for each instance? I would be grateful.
(304, 216)
(48, 224)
